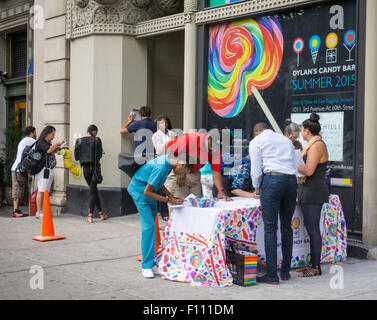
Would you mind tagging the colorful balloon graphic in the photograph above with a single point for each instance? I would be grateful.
(314, 43)
(332, 40)
(298, 45)
(242, 55)
(350, 38)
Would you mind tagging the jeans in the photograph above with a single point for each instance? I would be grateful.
(278, 198)
(312, 217)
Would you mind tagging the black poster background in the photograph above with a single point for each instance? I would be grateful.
(283, 100)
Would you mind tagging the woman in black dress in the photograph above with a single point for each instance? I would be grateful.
(88, 150)
(313, 191)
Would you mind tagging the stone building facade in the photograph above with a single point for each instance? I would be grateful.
(96, 60)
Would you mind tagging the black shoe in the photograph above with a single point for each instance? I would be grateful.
(285, 276)
(269, 280)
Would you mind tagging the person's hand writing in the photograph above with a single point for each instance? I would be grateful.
(174, 200)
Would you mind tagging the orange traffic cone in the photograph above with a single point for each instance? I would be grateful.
(157, 240)
(48, 232)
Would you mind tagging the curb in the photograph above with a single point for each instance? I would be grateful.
(361, 251)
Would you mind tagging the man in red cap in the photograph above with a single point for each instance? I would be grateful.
(199, 147)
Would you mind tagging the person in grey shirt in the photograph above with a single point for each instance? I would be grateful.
(273, 172)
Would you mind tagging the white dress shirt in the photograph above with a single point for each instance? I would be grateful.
(160, 139)
(271, 152)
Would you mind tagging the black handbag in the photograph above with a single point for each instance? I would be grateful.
(97, 174)
(129, 163)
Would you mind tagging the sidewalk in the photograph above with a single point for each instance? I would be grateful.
(97, 261)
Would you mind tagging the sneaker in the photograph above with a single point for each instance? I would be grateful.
(16, 214)
(147, 273)
(39, 215)
(155, 270)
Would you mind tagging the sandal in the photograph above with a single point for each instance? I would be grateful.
(103, 217)
(302, 269)
(311, 272)
(89, 218)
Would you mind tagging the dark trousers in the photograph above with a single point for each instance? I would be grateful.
(278, 198)
(162, 206)
(312, 218)
(94, 200)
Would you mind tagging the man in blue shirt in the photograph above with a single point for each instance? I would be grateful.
(273, 173)
(143, 188)
(143, 129)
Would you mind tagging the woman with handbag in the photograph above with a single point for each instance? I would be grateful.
(88, 150)
(313, 191)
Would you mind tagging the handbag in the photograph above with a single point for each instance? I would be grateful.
(242, 266)
(97, 175)
(129, 163)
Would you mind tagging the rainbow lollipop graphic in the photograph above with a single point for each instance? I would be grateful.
(350, 42)
(314, 45)
(244, 57)
(298, 47)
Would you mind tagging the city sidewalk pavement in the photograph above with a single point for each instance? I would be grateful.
(98, 261)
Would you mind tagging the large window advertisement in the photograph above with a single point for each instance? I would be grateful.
(275, 67)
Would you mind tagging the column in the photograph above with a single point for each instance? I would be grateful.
(51, 87)
(189, 103)
(370, 147)
(108, 79)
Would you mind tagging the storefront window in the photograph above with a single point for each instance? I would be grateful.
(274, 67)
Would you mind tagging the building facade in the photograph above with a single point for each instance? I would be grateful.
(96, 60)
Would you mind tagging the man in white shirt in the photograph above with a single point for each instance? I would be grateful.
(19, 179)
(273, 173)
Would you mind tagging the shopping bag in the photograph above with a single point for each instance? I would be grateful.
(242, 266)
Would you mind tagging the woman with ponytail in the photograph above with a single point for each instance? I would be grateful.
(313, 191)
(88, 150)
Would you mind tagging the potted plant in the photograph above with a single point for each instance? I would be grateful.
(13, 135)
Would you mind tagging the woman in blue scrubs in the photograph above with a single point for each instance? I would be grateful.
(143, 188)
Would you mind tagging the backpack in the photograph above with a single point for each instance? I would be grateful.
(31, 161)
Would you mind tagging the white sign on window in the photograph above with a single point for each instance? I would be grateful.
(332, 124)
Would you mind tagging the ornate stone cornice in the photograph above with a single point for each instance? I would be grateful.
(142, 18)
(242, 9)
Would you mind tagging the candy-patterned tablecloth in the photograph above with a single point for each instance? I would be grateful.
(193, 244)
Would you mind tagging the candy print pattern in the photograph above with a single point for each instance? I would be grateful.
(201, 261)
(242, 55)
(334, 232)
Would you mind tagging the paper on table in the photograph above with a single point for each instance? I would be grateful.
(300, 162)
(184, 204)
